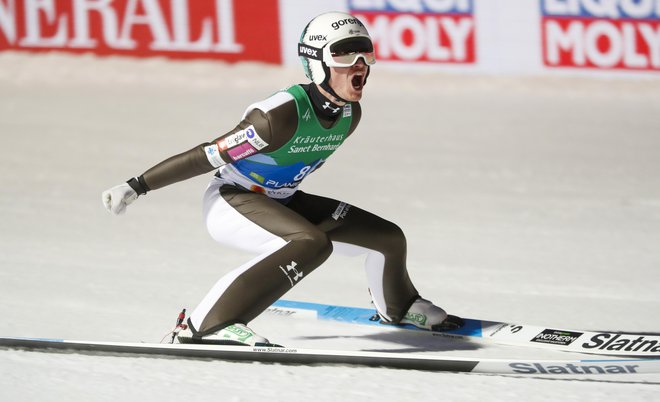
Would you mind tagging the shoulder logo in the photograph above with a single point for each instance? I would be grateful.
(307, 115)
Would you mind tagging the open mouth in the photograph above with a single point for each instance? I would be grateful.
(357, 82)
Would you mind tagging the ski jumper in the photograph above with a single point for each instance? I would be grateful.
(253, 203)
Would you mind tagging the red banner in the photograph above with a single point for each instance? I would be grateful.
(231, 30)
(617, 34)
(420, 31)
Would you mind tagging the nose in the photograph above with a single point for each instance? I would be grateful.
(359, 63)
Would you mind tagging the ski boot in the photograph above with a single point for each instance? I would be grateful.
(424, 314)
(234, 334)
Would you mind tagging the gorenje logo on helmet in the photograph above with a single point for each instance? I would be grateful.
(338, 24)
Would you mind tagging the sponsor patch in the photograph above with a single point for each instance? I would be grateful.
(254, 139)
(213, 155)
(249, 134)
(341, 211)
(556, 337)
(222, 145)
(235, 139)
(241, 151)
(348, 110)
(257, 177)
(257, 189)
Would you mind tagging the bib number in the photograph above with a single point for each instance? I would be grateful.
(307, 170)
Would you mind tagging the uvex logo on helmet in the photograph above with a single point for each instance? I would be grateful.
(309, 51)
(337, 24)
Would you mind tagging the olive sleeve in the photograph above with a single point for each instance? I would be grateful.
(258, 132)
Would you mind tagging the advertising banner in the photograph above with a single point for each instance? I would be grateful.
(612, 37)
(601, 34)
(231, 30)
(419, 31)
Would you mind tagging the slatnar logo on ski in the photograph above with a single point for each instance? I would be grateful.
(557, 337)
(624, 342)
(572, 368)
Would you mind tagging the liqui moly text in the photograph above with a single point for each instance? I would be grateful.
(419, 30)
(601, 34)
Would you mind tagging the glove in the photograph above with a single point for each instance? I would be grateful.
(116, 199)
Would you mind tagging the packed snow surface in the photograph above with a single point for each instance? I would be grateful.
(524, 199)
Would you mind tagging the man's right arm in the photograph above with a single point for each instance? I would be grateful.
(199, 160)
(256, 133)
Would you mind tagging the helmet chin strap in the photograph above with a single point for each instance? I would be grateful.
(325, 85)
(332, 92)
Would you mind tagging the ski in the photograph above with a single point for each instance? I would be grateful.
(591, 342)
(294, 356)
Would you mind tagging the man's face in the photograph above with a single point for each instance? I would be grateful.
(348, 82)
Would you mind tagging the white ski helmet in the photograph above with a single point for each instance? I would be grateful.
(333, 39)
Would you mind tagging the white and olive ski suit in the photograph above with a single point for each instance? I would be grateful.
(253, 203)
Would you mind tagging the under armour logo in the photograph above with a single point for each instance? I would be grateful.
(292, 274)
(327, 106)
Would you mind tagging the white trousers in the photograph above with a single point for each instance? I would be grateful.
(229, 227)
